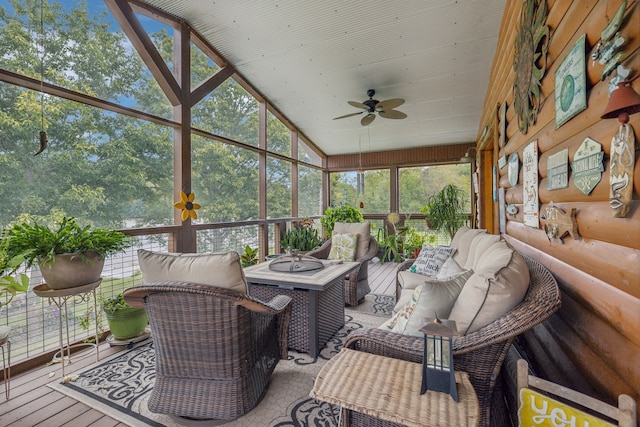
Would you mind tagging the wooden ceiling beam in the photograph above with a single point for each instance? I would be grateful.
(210, 84)
(123, 12)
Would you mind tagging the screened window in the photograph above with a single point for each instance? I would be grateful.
(376, 195)
(417, 184)
(309, 191)
(278, 188)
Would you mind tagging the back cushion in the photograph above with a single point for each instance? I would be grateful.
(222, 270)
(362, 229)
(499, 284)
(462, 241)
(478, 249)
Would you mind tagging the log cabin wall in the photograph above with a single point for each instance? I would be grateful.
(593, 343)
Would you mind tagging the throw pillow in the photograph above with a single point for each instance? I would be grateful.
(362, 229)
(430, 263)
(423, 257)
(343, 246)
(222, 270)
(449, 269)
(431, 299)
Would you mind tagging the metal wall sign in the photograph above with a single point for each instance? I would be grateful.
(530, 185)
(570, 84)
(558, 170)
(587, 165)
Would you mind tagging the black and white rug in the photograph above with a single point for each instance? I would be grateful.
(120, 386)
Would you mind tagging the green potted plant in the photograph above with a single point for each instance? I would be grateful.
(339, 214)
(249, 257)
(124, 321)
(445, 210)
(302, 238)
(68, 255)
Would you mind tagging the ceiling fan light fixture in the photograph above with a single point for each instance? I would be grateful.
(371, 106)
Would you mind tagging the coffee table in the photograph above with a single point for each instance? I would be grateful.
(318, 300)
(381, 391)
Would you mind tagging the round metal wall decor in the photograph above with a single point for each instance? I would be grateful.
(530, 62)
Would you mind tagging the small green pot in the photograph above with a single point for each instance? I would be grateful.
(127, 322)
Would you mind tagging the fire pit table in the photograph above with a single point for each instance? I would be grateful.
(318, 300)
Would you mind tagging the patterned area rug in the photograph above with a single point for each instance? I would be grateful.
(121, 385)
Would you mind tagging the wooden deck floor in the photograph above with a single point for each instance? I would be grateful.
(32, 403)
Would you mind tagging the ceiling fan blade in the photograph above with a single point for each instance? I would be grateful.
(366, 120)
(358, 105)
(393, 114)
(348, 115)
(388, 104)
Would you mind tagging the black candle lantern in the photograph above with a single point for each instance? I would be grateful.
(437, 360)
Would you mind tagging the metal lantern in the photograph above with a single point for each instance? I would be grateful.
(437, 360)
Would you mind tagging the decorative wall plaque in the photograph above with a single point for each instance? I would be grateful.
(571, 84)
(587, 165)
(622, 160)
(514, 169)
(530, 184)
(558, 170)
(502, 162)
(560, 224)
(530, 62)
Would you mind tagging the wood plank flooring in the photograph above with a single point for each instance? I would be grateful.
(33, 404)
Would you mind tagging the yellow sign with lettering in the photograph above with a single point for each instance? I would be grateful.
(539, 410)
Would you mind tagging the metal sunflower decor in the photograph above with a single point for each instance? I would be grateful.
(530, 62)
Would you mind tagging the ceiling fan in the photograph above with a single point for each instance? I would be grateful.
(371, 106)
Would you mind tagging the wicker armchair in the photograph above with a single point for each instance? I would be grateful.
(479, 353)
(215, 348)
(356, 284)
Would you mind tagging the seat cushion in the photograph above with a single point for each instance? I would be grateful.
(499, 284)
(362, 229)
(222, 270)
(343, 246)
(433, 298)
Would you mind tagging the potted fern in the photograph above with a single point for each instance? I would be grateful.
(68, 255)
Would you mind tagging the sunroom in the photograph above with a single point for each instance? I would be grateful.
(267, 113)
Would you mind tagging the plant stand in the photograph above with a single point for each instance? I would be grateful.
(60, 297)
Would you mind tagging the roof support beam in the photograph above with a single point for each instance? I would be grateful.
(123, 12)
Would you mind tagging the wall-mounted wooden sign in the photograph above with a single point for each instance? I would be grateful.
(559, 224)
(587, 165)
(514, 169)
(571, 84)
(558, 170)
(530, 185)
(536, 409)
(622, 160)
(502, 162)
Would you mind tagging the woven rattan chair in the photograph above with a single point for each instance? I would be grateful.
(215, 348)
(479, 353)
(356, 284)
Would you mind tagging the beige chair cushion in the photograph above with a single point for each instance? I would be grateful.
(362, 229)
(222, 270)
(428, 300)
(499, 284)
(478, 250)
(462, 242)
(343, 246)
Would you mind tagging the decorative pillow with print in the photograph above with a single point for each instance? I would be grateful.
(433, 260)
(425, 254)
(343, 246)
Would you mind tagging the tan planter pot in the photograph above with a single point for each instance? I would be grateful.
(69, 270)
